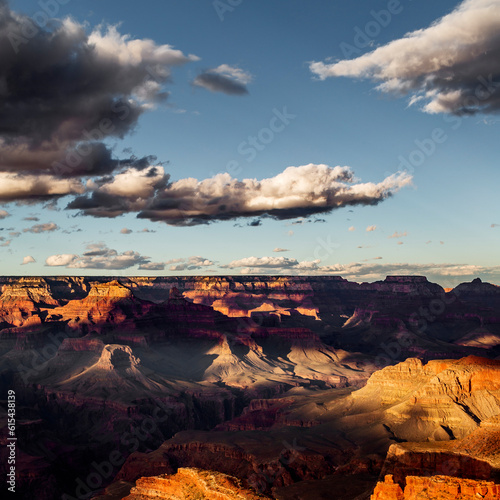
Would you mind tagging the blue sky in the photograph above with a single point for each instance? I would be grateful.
(445, 223)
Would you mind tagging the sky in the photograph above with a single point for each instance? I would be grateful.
(250, 137)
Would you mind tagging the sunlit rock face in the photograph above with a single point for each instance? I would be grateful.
(436, 488)
(190, 484)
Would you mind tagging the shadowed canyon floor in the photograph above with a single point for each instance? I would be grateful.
(297, 386)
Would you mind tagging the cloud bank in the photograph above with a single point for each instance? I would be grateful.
(450, 67)
(296, 192)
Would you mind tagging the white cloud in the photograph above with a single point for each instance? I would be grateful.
(296, 192)
(278, 249)
(352, 228)
(4, 214)
(448, 67)
(98, 256)
(60, 260)
(369, 229)
(192, 263)
(28, 260)
(126, 231)
(42, 228)
(134, 183)
(15, 187)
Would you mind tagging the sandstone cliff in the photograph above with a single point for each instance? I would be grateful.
(436, 488)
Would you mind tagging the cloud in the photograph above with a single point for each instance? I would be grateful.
(4, 214)
(152, 266)
(278, 249)
(271, 265)
(296, 192)
(19, 187)
(449, 67)
(64, 92)
(125, 231)
(31, 219)
(42, 228)
(352, 228)
(60, 260)
(369, 229)
(397, 234)
(495, 225)
(28, 260)
(127, 191)
(99, 256)
(190, 264)
(230, 80)
(356, 271)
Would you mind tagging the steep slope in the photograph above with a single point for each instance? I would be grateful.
(106, 304)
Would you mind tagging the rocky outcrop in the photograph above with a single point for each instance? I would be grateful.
(450, 397)
(190, 483)
(436, 487)
(106, 304)
(22, 301)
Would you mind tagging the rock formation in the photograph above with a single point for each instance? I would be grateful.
(436, 488)
(189, 484)
(256, 377)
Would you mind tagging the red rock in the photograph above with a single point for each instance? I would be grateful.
(190, 483)
(436, 488)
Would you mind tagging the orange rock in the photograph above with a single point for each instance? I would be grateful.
(190, 483)
(436, 488)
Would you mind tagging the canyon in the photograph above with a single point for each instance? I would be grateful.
(277, 387)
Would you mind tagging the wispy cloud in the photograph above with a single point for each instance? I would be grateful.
(28, 260)
(42, 228)
(224, 78)
(278, 249)
(398, 235)
(370, 229)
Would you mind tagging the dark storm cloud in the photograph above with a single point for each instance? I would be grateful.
(219, 83)
(228, 79)
(64, 91)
